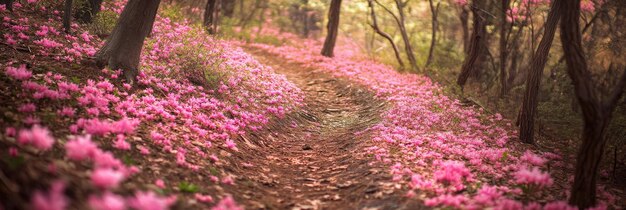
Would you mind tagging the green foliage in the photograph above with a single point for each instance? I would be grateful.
(14, 162)
(103, 23)
(271, 40)
(187, 187)
(173, 12)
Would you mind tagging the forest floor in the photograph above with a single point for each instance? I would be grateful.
(312, 159)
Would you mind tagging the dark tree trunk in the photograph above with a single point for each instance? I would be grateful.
(434, 10)
(332, 27)
(8, 3)
(539, 59)
(228, 8)
(211, 15)
(464, 16)
(479, 33)
(596, 110)
(87, 12)
(67, 16)
(122, 49)
(377, 29)
(504, 52)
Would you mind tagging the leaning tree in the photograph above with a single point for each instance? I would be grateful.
(597, 108)
(538, 62)
(122, 49)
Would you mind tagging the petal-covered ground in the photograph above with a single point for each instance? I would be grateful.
(195, 95)
(444, 152)
(206, 120)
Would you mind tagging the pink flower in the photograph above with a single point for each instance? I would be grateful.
(106, 178)
(27, 108)
(39, 137)
(13, 152)
(20, 73)
(532, 158)
(228, 203)
(558, 205)
(149, 201)
(52, 200)
(120, 143)
(80, 148)
(159, 183)
(108, 201)
(533, 177)
(10, 132)
(203, 198)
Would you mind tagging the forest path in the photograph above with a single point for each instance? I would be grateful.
(313, 158)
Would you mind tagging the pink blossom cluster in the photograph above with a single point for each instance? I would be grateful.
(42, 34)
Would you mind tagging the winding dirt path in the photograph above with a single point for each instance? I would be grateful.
(313, 159)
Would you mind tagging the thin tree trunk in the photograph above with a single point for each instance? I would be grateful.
(67, 16)
(228, 8)
(332, 27)
(405, 36)
(434, 10)
(211, 15)
(377, 29)
(597, 112)
(122, 49)
(244, 21)
(464, 16)
(476, 45)
(539, 59)
(504, 30)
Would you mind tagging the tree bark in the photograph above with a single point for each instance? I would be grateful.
(388, 37)
(476, 46)
(504, 52)
(332, 27)
(434, 10)
(597, 112)
(67, 16)
(211, 15)
(122, 49)
(228, 8)
(539, 59)
(464, 16)
(405, 36)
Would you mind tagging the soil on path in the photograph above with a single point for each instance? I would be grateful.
(315, 158)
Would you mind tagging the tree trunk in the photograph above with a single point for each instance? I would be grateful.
(332, 27)
(67, 16)
(228, 8)
(8, 4)
(539, 59)
(596, 112)
(476, 45)
(122, 49)
(504, 52)
(464, 16)
(377, 29)
(405, 36)
(211, 15)
(434, 10)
